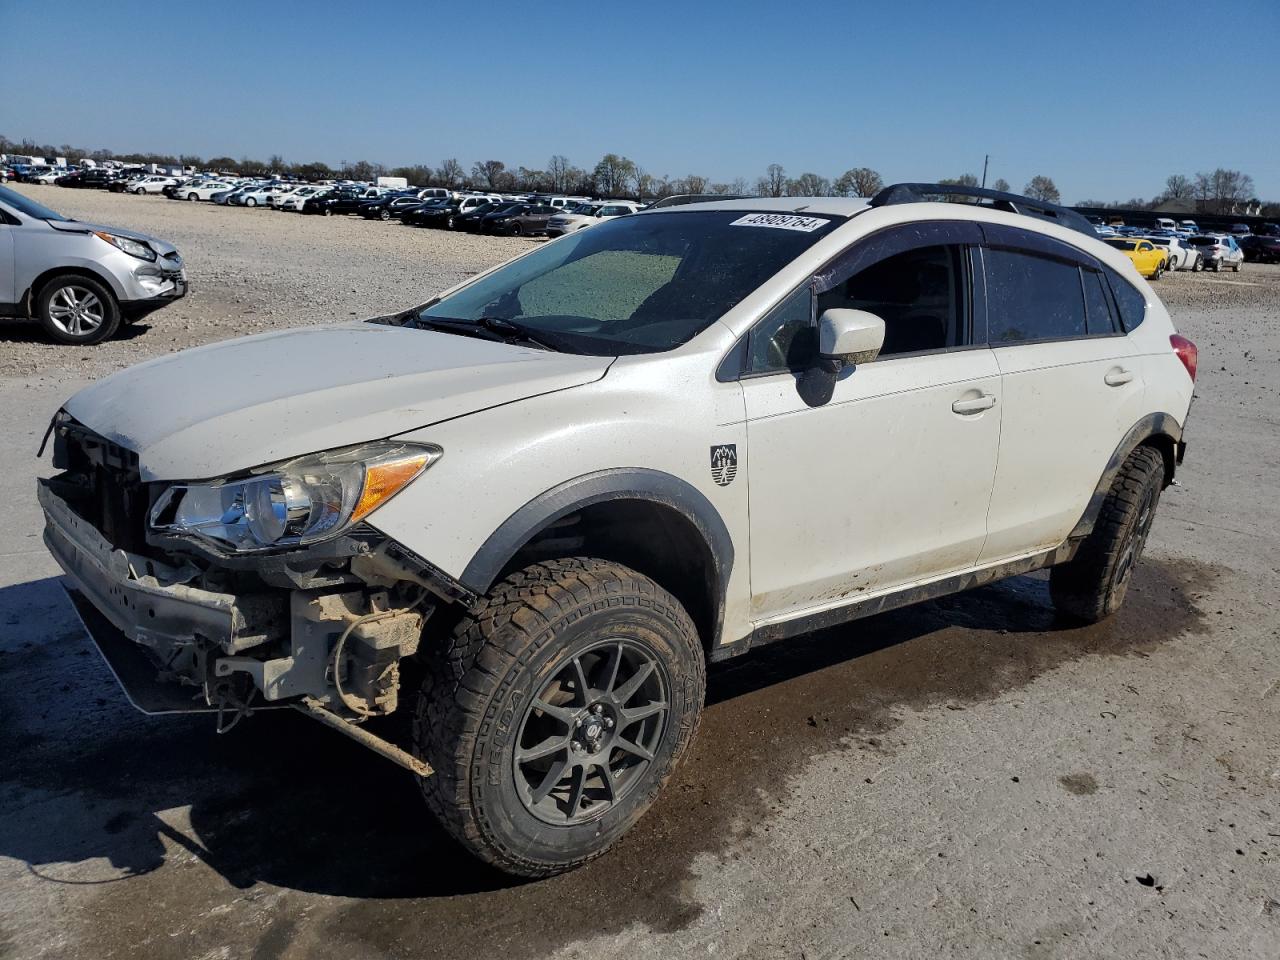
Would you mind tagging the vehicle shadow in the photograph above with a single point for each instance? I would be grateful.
(283, 800)
(20, 330)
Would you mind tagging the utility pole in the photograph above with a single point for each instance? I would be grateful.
(985, 160)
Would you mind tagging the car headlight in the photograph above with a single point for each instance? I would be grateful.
(295, 503)
(134, 248)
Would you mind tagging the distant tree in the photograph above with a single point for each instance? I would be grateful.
(558, 168)
(613, 174)
(488, 172)
(221, 163)
(1178, 187)
(276, 162)
(693, 184)
(858, 182)
(361, 170)
(774, 181)
(645, 184)
(186, 159)
(450, 174)
(1043, 188)
(1225, 190)
(808, 185)
(1002, 185)
(309, 171)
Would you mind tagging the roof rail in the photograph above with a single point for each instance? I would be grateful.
(1009, 202)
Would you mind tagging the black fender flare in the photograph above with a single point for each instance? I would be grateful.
(1153, 425)
(627, 483)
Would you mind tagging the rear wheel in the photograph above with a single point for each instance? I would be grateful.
(76, 309)
(1092, 585)
(556, 713)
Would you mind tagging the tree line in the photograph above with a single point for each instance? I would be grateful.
(1221, 191)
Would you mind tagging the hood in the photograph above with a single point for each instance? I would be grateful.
(79, 226)
(229, 406)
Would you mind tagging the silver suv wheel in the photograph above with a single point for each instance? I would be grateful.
(76, 310)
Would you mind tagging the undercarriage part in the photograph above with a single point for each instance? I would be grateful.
(343, 647)
(316, 710)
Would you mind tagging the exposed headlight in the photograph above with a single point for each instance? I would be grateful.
(295, 503)
(134, 248)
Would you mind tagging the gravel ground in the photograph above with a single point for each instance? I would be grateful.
(970, 777)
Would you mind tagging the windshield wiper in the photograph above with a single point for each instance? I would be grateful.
(510, 330)
(488, 328)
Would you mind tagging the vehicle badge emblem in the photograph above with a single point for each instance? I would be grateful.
(724, 463)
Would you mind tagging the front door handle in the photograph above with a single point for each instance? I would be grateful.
(1118, 377)
(975, 405)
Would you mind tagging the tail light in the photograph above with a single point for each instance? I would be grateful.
(1186, 352)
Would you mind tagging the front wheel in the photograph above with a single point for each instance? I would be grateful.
(139, 192)
(1092, 585)
(250, 202)
(1235, 267)
(1197, 265)
(556, 712)
(76, 309)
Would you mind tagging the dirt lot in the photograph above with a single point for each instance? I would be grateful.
(968, 778)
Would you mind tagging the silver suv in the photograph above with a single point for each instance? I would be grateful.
(80, 280)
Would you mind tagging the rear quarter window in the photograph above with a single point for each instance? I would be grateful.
(1131, 304)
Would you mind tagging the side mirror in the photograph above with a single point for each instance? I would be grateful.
(854, 336)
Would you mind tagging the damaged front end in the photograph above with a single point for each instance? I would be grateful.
(188, 627)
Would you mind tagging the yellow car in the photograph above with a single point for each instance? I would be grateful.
(1150, 260)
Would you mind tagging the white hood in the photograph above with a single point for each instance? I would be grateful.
(229, 406)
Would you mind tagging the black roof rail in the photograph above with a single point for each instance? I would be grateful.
(1009, 202)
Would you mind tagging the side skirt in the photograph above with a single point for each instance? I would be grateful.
(857, 610)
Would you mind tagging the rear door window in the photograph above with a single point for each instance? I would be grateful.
(1032, 298)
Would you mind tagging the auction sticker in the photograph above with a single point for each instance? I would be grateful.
(780, 221)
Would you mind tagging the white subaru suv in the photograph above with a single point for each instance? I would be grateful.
(520, 511)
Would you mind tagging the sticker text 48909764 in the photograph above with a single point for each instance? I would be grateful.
(781, 221)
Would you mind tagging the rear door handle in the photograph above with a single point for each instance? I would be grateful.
(1118, 377)
(975, 405)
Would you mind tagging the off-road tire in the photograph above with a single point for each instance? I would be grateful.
(1092, 585)
(478, 688)
(109, 309)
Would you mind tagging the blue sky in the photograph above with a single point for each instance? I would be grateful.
(1085, 91)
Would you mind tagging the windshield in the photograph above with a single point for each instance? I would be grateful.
(1122, 244)
(636, 284)
(28, 207)
(1203, 241)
